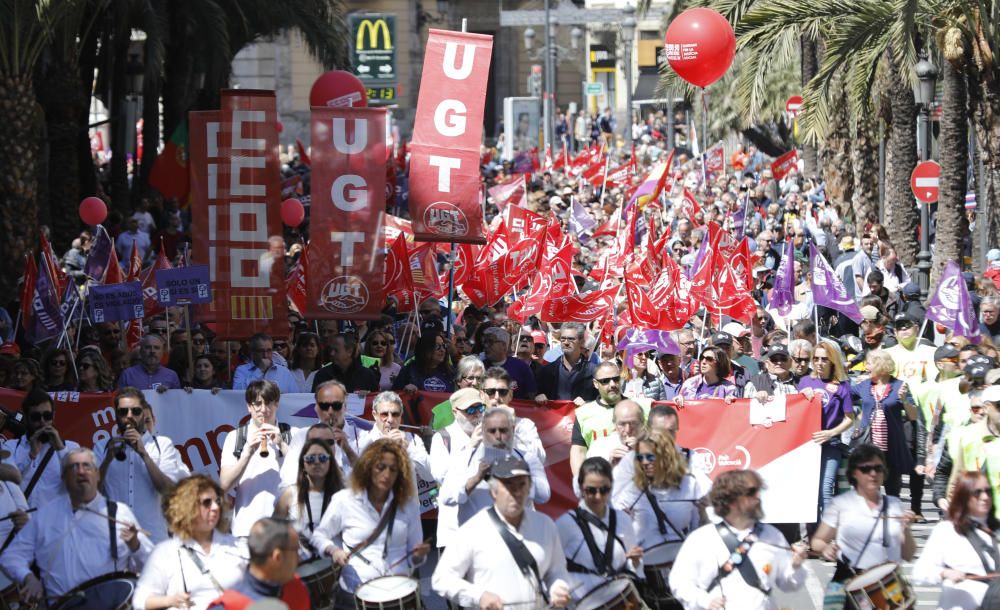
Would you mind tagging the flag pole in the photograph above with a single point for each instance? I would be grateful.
(451, 287)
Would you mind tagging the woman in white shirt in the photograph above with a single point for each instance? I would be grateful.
(373, 528)
(379, 345)
(305, 360)
(200, 561)
(306, 501)
(863, 528)
(584, 532)
(962, 546)
(666, 504)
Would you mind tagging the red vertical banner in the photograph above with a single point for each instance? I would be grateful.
(448, 128)
(203, 150)
(346, 260)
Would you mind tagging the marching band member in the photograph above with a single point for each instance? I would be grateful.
(734, 564)
(190, 569)
(387, 409)
(306, 501)
(599, 542)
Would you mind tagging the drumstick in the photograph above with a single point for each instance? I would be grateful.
(408, 555)
(125, 523)
(180, 562)
(989, 576)
(30, 510)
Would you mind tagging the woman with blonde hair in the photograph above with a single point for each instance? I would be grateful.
(191, 569)
(379, 345)
(93, 373)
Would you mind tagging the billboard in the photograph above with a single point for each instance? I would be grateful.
(373, 50)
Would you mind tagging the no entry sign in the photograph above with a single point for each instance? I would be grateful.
(793, 105)
(924, 181)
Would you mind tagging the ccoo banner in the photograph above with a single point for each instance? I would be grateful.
(346, 257)
(444, 154)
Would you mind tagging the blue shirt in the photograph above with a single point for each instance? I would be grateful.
(280, 375)
(137, 377)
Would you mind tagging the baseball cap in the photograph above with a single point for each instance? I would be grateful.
(993, 255)
(911, 290)
(465, 398)
(722, 339)
(869, 312)
(509, 467)
(776, 349)
(945, 352)
(538, 337)
(736, 329)
(904, 319)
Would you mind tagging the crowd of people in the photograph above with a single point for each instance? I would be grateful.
(331, 510)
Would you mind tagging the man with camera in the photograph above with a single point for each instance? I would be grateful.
(137, 467)
(38, 450)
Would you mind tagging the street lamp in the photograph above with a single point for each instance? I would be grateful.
(927, 74)
(628, 36)
(529, 38)
(575, 36)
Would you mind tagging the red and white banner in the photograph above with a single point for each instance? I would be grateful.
(514, 192)
(448, 129)
(585, 307)
(784, 164)
(346, 258)
(236, 190)
(715, 159)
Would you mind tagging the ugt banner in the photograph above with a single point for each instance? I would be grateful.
(346, 256)
(448, 128)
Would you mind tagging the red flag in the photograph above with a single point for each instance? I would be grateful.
(553, 279)
(579, 307)
(715, 159)
(134, 265)
(169, 174)
(465, 258)
(398, 278)
(303, 155)
(503, 265)
(548, 158)
(28, 290)
(424, 273)
(611, 227)
(784, 164)
(113, 274)
(620, 175)
(730, 285)
(513, 192)
(295, 283)
(663, 177)
(689, 207)
(51, 262)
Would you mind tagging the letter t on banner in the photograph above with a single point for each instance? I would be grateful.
(444, 154)
(346, 257)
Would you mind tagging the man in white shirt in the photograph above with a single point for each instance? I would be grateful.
(734, 564)
(387, 408)
(38, 451)
(70, 537)
(628, 421)
(262, 365)
(482, 572)
(465, 484)
(331, 400)
(252, 456)
(137, 467)
(13, 507)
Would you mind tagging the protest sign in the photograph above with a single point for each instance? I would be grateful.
(183, 285)
(113, 302)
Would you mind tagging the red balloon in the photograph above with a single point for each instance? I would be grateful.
(280, 127)
(339, 89)
(93, 211)
(700, 46)
(292, 212)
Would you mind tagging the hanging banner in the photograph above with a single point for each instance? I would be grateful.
(448, 129)
(346, 258)
(203, 142)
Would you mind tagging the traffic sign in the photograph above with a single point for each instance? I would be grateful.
(793, 104)
(593, 88)
(924, 181)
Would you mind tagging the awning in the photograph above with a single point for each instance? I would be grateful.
(645, 89)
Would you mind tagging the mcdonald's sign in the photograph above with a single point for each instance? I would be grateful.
(373, 53)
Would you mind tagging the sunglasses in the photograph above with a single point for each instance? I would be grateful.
(439, 346)
(392, 414)
(378, 344)
(778, 359)
(753, 491)
(475, 409)
(85, 366)
(124, 411)
(608, 380)
(497, 430)
(208, 502)
(593, 491)
(58, 363)
(645, 457)
(46, 415)
(496, 391)
(326, 406)
(982, 491)
(707, 359)
(870, 468)
(801, 360)
(316, 458)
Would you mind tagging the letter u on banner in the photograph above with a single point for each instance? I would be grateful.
(346, 264)
(444, 154)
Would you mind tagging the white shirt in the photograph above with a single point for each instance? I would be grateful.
(850, 515)
(442, 458)
(257, 488)
(72, 547)
(305, 382)
(170, 570)
(677, 503)
(350, 519)
(415, 448)
(704, 551)
(301, 520)
(466, 466)
(290, 467)
(482, 562)
(50, 484)
(946, 548)
(11, 499)
(576, 550)
(129, 482)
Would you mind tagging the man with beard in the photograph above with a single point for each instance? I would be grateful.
(465, 484)
(734, 564)
(149, 374)
(594, 419)
(137, 467)
(873, 333)
(569, 377)
(37, 453)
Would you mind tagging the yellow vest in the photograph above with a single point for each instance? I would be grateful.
(595, 419)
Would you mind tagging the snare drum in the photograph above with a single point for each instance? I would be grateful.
(320, 577)
(615, 594)
(657, 561)
(880, 588)
(109, 592)
(389, 593)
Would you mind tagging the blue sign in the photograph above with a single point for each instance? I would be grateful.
(113, 302)
(183, 285)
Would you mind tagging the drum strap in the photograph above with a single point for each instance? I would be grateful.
(603, 562)
(985, 550)
(522, 556)
(885, 534)
(113, 531)
(745, 566)
(38, 472)
(201, 568)
(386, 521)
(662, 521)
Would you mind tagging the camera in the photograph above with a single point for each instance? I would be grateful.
(13, 423)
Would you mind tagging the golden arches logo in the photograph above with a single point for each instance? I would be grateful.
(373, 27)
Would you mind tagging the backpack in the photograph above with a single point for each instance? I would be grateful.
(241, 437)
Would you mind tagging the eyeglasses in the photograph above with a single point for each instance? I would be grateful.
(462, 340)
(496, 391)
(801, 360)
(378, 344)
(37, 417)
(870, 468)
(390, 414)
(645, 457)
(473, 378)
(326, 406)
(982, 491)
(208, 502)
(439, 346)
(608, 380)
(753, 491)
(124, 411)
(316, 458)
(593, 491)
(497, 430)
(260, 404)
(475, 409)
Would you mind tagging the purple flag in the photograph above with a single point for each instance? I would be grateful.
(702, 249)
(46, 319)
(71, 306)
(950, 304)
(783, 293)
(100, 255)
(579, 220)
(739, 222)
(637, 340)
(827, 288)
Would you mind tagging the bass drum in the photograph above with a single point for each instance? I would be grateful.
(109, 592)
(615, 594)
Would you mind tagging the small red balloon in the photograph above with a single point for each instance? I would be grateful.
(292, 212)
(280, 127)
(338, 89)
(93, 211)
(700, 46)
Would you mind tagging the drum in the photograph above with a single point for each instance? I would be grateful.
(389, 593)
(880, 588)
(320, 577)
(9, 596)
(657, 560)
(615, 594)
(109, 592)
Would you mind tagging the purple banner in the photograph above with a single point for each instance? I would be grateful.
(951, 306)
(783, 293)
(46, 318)
(827, 288)
(579, 220)
(113, 302)
(100, 254)
(183, 285)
